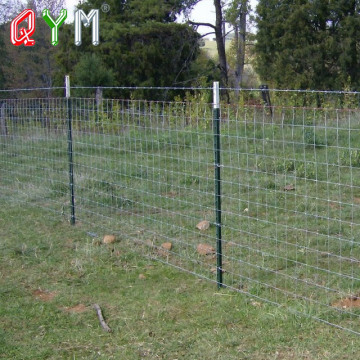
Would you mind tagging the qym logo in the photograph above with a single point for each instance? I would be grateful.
(29, 15)
(25, 34)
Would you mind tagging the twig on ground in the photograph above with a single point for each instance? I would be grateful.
(101, 318)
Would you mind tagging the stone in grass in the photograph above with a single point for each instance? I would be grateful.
(109, 239)
(205, 249)
(165, 249)
(167, 246)
(203, 225)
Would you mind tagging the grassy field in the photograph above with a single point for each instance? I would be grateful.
(291, 224)
(210, 48)
(52, 273)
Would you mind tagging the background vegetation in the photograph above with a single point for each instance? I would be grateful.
(290, 44)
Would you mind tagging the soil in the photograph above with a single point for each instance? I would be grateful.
(350, 302)
(44, 295)
(80, 308)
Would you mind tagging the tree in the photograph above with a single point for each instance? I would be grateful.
(219, 37)
(309, 44)
(160, 11)
(237, 15)
(54, 6)
(32, 66)
(9, 9)
(90, 71)
(139, 42)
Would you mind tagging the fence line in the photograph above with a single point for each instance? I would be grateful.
(145, 170)
(258, 89)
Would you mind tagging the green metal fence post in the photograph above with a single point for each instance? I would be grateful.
(70, 149)
(216, 127)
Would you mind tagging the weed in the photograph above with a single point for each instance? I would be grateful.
(313, 140)
(350, 157)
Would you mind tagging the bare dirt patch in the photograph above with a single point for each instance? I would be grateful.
(348, 303)
(44, 295)
(77, 309)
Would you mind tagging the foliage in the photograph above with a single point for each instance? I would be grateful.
(139, 11)
(9, 9)
(54, 6)
(350, 157)
(139, 43)
(312, 139)
(309, 44)
(29, 67)
(90, 71)
(238, 16)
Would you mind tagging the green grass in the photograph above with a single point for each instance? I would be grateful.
(166, 315)
(150, 179)
(211, 49)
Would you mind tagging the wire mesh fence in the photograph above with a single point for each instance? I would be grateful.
(145, 171)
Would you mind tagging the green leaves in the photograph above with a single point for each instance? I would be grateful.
(308, 44)
(90, 71)
(140, 45)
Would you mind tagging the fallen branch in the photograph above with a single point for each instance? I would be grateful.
(101, 318)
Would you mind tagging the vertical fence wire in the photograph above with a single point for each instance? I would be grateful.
(290, 209)
(33, 150)
(144, 171)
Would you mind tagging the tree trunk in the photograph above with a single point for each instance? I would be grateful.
(220, 42)
(240, 38)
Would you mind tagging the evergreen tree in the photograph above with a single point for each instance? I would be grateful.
(139, 43)
(90, 71)
(308, 44)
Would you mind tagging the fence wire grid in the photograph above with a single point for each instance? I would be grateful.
(144, 171)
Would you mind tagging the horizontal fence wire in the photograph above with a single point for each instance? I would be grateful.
(291, 208)
(144, 171)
